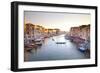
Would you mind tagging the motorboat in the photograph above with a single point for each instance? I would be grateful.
(38, 42)
(60, 42)
(82, 49)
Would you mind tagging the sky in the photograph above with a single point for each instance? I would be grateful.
(61, 20)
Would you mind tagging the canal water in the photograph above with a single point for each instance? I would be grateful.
(52, 51)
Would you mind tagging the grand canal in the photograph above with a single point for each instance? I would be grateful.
(50, 50)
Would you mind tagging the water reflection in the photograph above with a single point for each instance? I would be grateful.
(52, 51)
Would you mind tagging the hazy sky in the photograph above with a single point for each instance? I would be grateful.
(58, 20)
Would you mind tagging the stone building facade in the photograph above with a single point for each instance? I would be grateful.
(81, 31)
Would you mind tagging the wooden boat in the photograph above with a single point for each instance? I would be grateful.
(30, 46)
(60, 42)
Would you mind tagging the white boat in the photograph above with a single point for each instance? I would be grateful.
(38, 42)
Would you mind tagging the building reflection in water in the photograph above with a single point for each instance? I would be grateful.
(32, 51)
(49, 50)
(27, 53)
